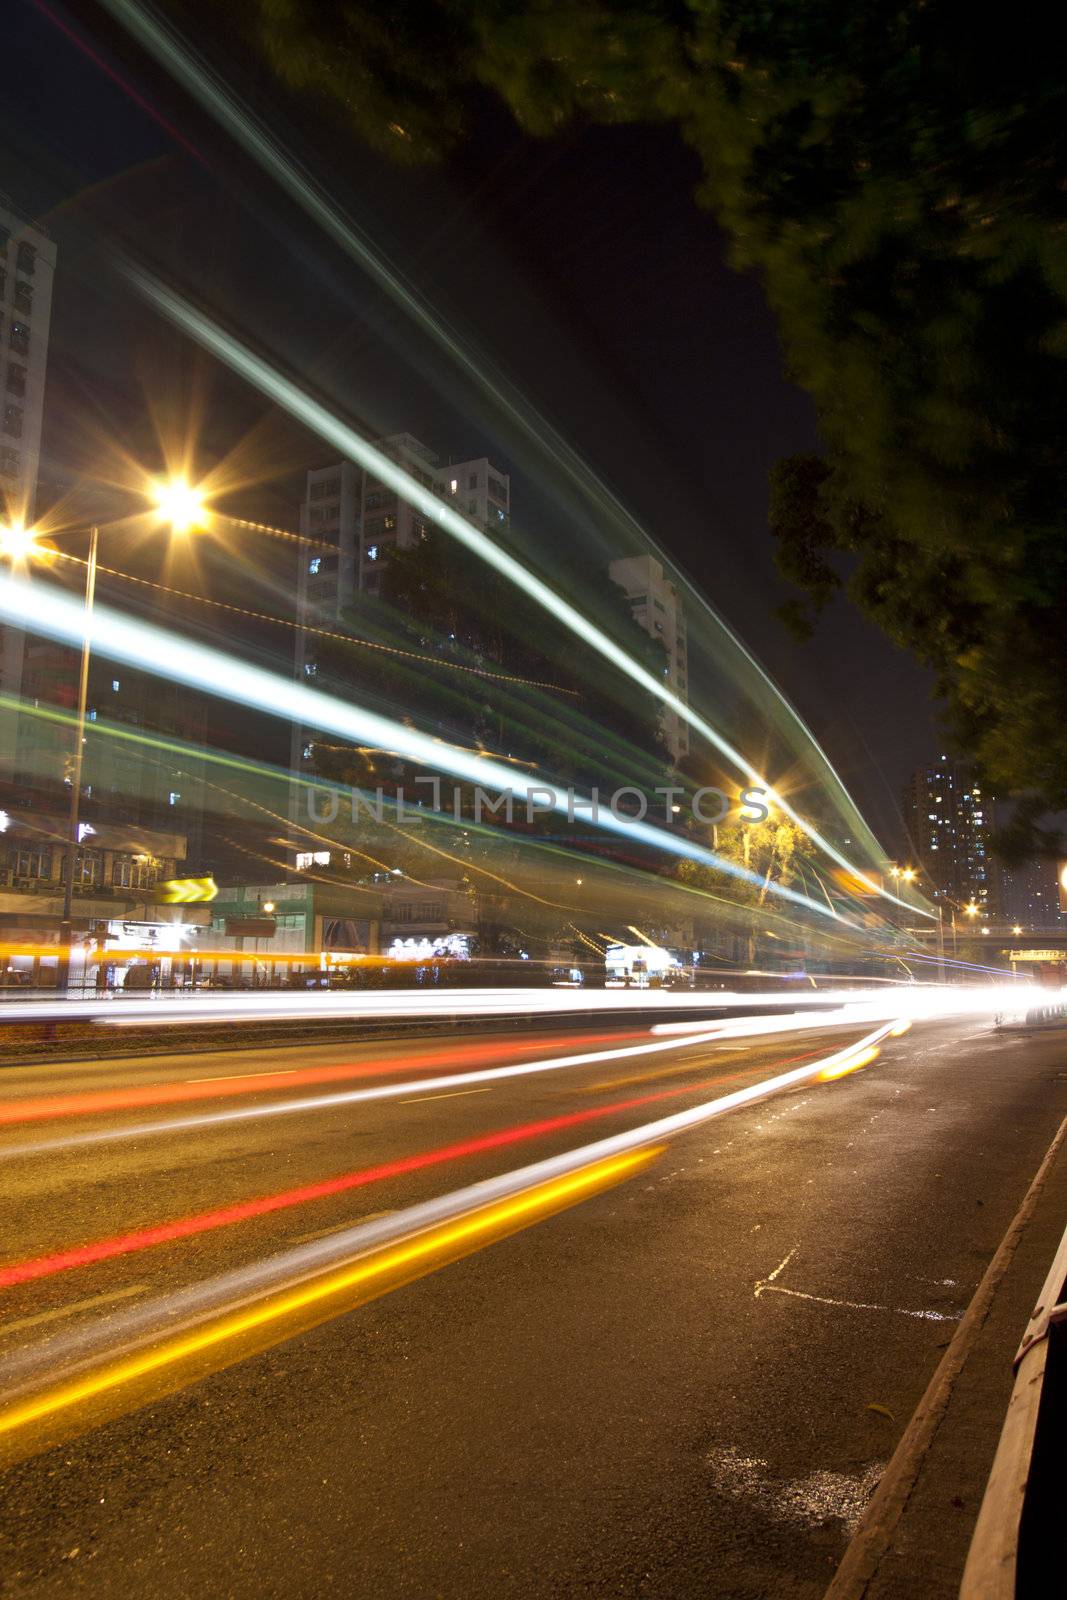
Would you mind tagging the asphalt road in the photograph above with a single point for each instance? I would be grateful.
(687, 1384)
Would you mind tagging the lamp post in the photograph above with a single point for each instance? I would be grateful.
(66, 925)
(182, 507)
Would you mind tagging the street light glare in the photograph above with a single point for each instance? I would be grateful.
(180, 504)
(17, 542)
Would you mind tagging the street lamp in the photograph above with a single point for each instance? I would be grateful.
(17, 542)
(179, 504)
(970, 909)
(183, 507)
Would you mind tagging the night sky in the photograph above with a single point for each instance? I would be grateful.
(585, 269)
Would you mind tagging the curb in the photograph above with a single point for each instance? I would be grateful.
(878, 1525)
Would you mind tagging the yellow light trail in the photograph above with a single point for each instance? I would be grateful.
(851, 1064)
(310, 1304)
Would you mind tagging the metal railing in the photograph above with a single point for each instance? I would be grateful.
(1017, 1539)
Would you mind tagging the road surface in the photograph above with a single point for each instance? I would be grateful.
(685, 1384)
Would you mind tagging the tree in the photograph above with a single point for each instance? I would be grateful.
(896, 176)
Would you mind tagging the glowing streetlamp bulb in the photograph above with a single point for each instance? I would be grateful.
(17, 542)
(180, 504)
(1016, 929)
(908, 874)
(268, 906)
(971, 910)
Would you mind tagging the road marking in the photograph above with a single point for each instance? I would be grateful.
(225, 1077)
(768, 1286)
(455, 1093)
(69, 1310)
(322, 1233)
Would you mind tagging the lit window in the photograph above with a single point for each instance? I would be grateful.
(115, 686)
(372, 552)
(314, 564)
(453, 487)
(173, 798)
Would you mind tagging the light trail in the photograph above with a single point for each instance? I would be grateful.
(56, 1261)
(237, 1296)
(343, 1290)
(919, 1001)
(392, 1091)
(284, 392)
(43, 608)
(96, 1102)
(162, 40)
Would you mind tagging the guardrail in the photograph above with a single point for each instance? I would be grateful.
(1018, 1538)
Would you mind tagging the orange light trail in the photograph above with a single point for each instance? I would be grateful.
(93, 1102)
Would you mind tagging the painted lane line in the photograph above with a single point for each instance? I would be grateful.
(69, 1310)
(233, 1077)
(335, 1227)
(453, 1094)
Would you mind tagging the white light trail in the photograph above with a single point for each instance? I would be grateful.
(42, 608)
(282, 391)
(160, 38)
(130, 1329)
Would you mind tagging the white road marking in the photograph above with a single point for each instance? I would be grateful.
(69, 1309)
(768, 1286)
(225, 1077)
(422, 1098)
(322, 1233)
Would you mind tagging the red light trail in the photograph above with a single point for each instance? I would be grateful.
(263, 1205)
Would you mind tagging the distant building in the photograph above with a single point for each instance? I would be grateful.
(949, 820)
(1029, 896)
(656, 605)
(27, 269)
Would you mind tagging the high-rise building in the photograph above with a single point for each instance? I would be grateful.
(949, 820)
(362, 519)
(656, 605)
(359, 520)
(27, 270)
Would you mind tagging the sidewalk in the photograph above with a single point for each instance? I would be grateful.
(913, 1539)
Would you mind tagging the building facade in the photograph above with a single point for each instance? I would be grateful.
(1029, 896)
(27, 271)
(656, 605)
(949, 822)
(358, 520)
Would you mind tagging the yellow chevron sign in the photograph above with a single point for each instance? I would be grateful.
(184, 891)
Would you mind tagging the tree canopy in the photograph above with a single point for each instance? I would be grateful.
(895, 174)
